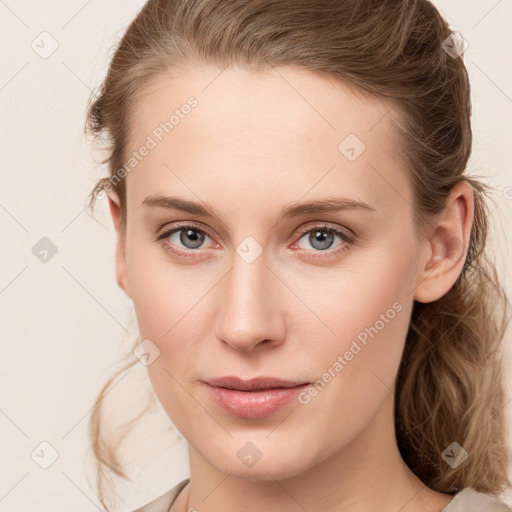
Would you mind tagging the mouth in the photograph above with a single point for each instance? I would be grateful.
(254, 398)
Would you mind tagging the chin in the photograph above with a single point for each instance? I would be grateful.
(273, 466)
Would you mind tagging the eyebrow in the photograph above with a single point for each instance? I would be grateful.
(329, 204)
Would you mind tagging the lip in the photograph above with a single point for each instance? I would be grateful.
(254, 398)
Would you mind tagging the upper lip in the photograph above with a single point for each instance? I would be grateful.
(257, 383)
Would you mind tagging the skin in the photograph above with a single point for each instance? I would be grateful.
(255, 143)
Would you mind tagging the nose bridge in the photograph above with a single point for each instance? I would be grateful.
(249, 310)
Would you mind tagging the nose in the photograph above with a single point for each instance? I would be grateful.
(251, 309)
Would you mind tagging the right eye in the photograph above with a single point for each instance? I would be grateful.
(183, 240)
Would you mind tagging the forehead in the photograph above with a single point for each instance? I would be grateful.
(250, 130)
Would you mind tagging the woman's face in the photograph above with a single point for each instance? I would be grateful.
(259, 287)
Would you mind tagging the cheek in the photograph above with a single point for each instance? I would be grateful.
(172, 308)
(163, 293)
(359, 311)
(365, 310)
(333, 306)
(168, 306)
(365, 290)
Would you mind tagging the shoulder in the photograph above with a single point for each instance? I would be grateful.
(163, 502)
(470, 499)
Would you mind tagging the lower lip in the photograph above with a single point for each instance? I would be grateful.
(253, 404)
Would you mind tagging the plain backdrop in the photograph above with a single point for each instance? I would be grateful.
(64, 322)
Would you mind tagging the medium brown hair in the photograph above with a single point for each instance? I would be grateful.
(449, 385)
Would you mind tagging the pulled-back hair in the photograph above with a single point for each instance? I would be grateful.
(449, 384)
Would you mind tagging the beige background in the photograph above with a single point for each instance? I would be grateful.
(64, 323)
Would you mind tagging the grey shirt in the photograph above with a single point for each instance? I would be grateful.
(467, 500)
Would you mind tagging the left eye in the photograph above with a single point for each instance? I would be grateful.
(322, 238)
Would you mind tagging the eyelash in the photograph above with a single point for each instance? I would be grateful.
(346, 237)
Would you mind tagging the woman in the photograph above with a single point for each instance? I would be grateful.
(305, 255)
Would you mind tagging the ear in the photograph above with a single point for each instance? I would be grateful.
(445, 253)
(120, 259)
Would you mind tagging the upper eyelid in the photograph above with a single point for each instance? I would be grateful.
(323, 225)
(165, 231)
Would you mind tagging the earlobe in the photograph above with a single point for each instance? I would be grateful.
(120, 257)
(443, 258)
